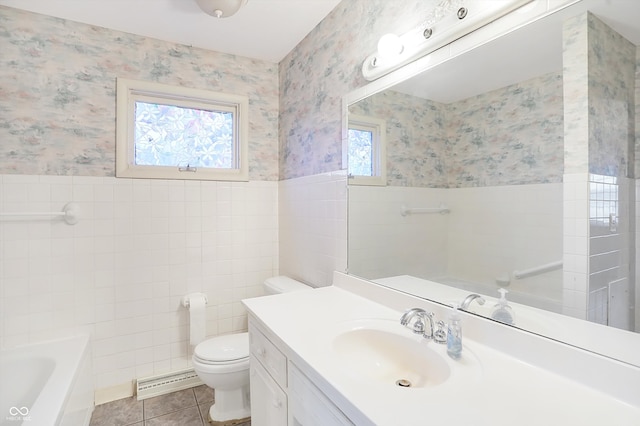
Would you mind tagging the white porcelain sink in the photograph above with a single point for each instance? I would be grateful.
(387, 353)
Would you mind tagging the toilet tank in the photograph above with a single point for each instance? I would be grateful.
(282, 284)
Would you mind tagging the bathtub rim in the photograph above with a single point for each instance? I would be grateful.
(69, 354)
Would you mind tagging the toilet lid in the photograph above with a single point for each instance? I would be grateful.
(224, 348)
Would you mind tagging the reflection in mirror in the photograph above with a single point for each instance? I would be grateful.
(367, 150)
(504, 171)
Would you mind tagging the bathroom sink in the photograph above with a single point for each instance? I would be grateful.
(386, 353)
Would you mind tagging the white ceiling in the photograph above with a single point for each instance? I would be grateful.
(263, 29)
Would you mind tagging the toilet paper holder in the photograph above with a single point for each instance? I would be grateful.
(186, 300)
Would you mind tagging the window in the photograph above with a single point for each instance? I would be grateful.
(366, 151)
(171, 132)
(604, 202)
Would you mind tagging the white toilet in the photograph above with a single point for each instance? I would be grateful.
(222, 363)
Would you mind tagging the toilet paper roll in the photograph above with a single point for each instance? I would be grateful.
(197, 318)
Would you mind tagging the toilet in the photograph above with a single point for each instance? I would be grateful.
(222, 363)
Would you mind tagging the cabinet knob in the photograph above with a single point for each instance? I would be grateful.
(277, 403)
(261, 351)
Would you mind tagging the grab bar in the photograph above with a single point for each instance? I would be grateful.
(69, 214)
(404, 210)
(547, 267)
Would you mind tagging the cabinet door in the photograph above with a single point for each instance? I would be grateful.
(309, 406)
(268, 400)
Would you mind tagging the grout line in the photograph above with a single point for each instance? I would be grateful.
(144, 415)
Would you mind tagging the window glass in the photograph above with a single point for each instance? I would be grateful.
(360, 152)
(172, 132)
(168, 135)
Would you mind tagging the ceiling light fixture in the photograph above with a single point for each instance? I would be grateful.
(448, 21)
(221, 8)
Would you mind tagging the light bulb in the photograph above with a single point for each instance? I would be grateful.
(389, 46)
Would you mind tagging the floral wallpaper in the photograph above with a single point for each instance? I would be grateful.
(324, 67)
(57, 93)
(416, 137)
(599, 80)
(575, 80)
(509, 136)
(611, 100)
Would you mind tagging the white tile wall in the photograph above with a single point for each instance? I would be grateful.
(120, 272)
(313, 224)
(576, 244)
(609, 254)
(489, 233)
(383, 243)
(502, 229)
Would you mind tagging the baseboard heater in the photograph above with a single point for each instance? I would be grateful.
(166, 383)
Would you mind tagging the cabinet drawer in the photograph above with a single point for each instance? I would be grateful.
(274, 361)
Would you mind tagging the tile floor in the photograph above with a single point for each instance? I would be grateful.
(189, 407)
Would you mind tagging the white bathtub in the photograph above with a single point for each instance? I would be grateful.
(47, 384)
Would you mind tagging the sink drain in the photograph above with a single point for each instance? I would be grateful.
(403, 383)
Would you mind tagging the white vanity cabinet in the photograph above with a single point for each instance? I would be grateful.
(308, 406)
(268, 379)
(281, 394)
(268, 400)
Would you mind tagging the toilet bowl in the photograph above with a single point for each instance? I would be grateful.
(222, 363)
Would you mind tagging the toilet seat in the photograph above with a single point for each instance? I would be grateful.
(227, 350)
(236, 362)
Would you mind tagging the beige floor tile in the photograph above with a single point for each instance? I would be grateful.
(204, 410)
(189, 407)
(203, 394)
(122, 412)
(164, 404)
(186, 417)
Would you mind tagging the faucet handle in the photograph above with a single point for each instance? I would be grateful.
(440, 336)
(418, 325)
(417, 315)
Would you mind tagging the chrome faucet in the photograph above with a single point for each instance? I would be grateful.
(420, 324)
(470, 298)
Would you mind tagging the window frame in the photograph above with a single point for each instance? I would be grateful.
(377, 127)
(128, 92)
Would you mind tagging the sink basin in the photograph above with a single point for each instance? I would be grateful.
(387, 353)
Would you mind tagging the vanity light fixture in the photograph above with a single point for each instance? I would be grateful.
(447, 22)
(221, 8)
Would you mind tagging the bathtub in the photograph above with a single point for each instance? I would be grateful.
(47, 384)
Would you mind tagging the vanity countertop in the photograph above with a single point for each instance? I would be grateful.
(491, 387)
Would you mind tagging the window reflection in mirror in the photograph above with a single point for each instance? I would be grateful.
(366, 150)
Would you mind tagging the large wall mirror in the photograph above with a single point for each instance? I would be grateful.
(513, 166)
